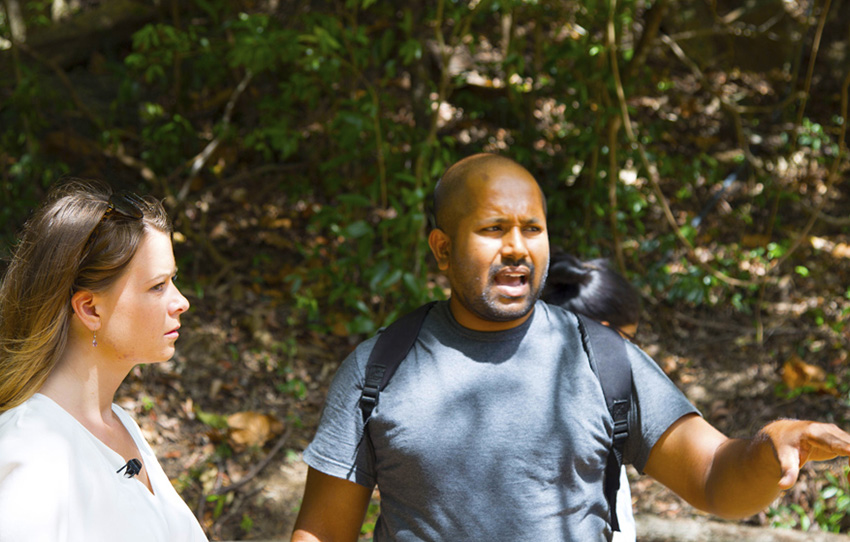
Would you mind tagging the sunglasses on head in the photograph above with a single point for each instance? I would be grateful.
(127, 205)
(122, 205)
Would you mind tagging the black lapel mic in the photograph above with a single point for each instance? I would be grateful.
(133, 467)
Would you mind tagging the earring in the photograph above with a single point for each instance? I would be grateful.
(94, 338)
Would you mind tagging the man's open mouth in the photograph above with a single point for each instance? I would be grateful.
(511, 279)
(512, 282)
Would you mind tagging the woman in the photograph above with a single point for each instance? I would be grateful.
(88, 295)
(595, 290)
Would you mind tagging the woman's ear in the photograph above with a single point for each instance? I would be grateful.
(441, 247)
(84, 307)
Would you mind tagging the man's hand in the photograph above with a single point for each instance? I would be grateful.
(797, 442)
(735, 478)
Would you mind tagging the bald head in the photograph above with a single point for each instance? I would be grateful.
(459, 186)
(491, 241)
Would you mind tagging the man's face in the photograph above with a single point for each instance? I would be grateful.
(498, 256)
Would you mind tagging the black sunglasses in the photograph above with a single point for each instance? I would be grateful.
(126, 204)
(123, 205)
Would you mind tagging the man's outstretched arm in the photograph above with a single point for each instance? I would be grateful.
(735, 478)
(332, 510)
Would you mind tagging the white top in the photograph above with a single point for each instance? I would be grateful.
(58, 484)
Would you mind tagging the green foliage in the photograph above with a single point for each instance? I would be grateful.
(366, 273)
(829, 511)
(291, 385)
(220, 502)
(247, 524)
(372, 514)
(358, 101)
(147, 403)
(216, 421)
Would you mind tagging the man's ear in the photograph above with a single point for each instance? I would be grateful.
(441, 247)
(83, 303)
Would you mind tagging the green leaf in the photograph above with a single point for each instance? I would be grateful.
(829, 492)
(213, 420)
(324, 38)
(358, 229)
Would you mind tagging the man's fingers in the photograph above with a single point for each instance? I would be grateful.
(826, 441)
(817, 442)
(789, 462)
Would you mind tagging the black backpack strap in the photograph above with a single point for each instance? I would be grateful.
(392, 346)
(607, 353)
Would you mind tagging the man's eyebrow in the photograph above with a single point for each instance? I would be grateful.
(500, 220)
(524, 220)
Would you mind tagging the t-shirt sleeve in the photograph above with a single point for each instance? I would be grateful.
(339, 447)
(656, 404)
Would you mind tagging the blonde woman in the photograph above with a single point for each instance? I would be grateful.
(88, 295)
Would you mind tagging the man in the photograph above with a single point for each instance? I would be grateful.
(494, 427)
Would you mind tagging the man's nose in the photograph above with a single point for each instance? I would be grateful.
(514, 247)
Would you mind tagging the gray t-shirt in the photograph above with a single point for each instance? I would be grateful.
(490, 435)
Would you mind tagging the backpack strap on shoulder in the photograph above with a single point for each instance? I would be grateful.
(392, 346)
(607, 353)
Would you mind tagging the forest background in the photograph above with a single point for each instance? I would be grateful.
(699, 145)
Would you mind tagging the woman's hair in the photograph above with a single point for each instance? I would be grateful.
(78, 239)
(593, 289)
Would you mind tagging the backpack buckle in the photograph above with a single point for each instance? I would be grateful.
(368, 401)
(621, 429)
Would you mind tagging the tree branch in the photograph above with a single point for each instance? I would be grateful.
(810, 72)
(235, 486)
(652, 22)
(201, 159)
(63, 78)
(652, 173)
(831, 177)
(613, 130)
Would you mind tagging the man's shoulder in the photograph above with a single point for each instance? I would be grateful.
(556, 315)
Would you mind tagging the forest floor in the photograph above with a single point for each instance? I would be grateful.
(244, 351)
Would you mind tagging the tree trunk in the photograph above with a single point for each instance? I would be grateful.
(72, 41)
(16, 20)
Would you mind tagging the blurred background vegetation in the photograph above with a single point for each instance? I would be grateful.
(698, 144)
(644, 121)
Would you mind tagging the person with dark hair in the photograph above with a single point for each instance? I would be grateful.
(495, 427)
(594, 289)
(88, 295)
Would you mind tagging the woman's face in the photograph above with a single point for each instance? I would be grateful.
(140, 313)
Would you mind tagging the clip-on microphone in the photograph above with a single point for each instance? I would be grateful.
(134, 467)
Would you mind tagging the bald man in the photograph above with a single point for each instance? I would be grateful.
(495, 427)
